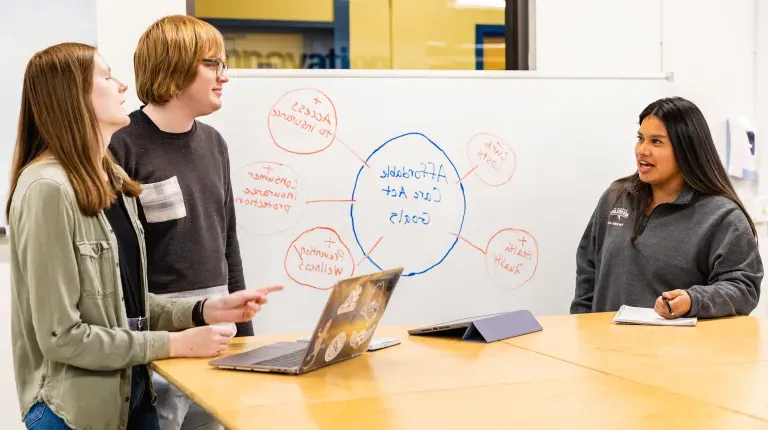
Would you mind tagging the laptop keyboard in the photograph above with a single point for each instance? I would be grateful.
(292, 359)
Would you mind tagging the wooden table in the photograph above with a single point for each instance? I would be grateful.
(723, 362)
(563, 377)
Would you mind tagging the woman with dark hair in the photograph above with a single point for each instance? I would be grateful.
(674, 235)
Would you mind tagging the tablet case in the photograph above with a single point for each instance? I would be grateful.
(494, 328)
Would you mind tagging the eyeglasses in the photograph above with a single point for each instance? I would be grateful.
(221, 66)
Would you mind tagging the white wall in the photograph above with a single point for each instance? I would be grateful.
(761, 121)
(119, 28)
(598, 36)
(713, 61)
(26, 27)
(761, 89)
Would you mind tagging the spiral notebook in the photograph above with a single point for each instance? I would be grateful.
(647, 316)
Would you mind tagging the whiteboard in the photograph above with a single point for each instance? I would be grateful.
(479, 185)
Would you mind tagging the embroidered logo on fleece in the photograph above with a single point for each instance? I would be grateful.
(620, 213)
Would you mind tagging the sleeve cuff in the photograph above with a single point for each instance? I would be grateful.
(158, 345)
(182, 313)
(694, 304)
(234, 287)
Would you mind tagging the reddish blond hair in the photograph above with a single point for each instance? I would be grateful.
(168, 54)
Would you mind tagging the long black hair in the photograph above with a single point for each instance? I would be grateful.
(696, 155)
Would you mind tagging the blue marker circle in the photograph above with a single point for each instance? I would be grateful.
(463, 209)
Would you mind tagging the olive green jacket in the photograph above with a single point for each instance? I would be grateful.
(72, 348)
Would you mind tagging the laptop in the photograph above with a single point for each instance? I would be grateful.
(344, 330)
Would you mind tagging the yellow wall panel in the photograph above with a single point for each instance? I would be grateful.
(434, 34)
(494, 53)
(286, 10)
(369, 34)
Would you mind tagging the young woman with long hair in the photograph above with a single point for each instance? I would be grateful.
(674, 235)
(84, 326)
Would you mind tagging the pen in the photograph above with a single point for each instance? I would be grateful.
(669, 308)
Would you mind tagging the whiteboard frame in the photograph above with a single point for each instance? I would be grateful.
(433, 74)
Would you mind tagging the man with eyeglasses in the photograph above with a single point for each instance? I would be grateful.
(186, 204)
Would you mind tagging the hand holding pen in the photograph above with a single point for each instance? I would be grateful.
(673, 304)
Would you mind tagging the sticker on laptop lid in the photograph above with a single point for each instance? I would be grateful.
(358, 339)
(350, 303)
(337, 344)
(318, 344)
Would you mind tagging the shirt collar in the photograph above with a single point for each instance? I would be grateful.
(685, 196)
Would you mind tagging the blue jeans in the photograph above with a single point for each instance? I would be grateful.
(41, 417)
(142, 415)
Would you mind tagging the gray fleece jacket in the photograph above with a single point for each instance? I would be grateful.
(699, 243)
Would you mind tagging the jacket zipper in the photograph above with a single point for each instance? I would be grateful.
(646, 219)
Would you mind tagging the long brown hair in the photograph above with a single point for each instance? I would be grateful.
(57, 118)
(696, 156)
